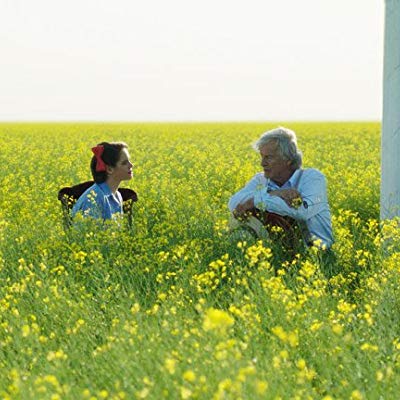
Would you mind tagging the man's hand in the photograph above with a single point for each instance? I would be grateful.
(291, 197)
(241, 211)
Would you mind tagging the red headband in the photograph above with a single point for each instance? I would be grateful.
(98, 151)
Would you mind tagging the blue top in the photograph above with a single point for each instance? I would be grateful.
(98, 202)
(314, 213)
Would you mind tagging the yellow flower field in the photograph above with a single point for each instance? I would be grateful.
(175, 307)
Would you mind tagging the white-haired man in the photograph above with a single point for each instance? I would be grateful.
(285, 189)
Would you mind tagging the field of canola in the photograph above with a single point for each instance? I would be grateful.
(174, 308)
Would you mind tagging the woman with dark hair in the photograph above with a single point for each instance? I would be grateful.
(110, 165)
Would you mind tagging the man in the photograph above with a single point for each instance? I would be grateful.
(287, 190)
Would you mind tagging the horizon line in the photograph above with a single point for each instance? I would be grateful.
(185, 121)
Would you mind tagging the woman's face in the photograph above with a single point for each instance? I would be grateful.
(123, 169)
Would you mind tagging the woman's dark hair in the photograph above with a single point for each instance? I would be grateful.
(110, 157)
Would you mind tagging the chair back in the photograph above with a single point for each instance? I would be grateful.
(282, 228)
(70, 194)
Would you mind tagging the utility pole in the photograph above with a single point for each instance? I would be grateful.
(390, 144)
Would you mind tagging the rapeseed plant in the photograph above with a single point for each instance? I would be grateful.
(174, 307)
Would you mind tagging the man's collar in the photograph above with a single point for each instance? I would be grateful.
(293, 179)
(289, 183)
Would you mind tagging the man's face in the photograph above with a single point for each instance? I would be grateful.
(274, 166)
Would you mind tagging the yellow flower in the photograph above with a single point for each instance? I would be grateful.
(292, 338)
(56, 355)
(26, 330)
(316, 325)
(170, 364)
(217, 320)
(244, 372)
(185, 393)
(162, 296)
(356, 395)
(369, 347)
(337, 328)
(189, 376)
(142, 394)
(147, 381)
(135, 308)
(261, 387)
(103, 394)
(280, 333)
(301, 364)
(379, 376)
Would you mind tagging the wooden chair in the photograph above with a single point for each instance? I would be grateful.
(290, 233)
(69, 195)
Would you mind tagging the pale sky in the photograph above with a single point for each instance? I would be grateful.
(184, 60)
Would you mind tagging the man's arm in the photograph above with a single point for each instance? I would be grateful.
(243, 201)
(292, 197)
(247, 192)
(313, 194)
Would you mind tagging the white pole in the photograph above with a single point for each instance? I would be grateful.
(390, 146)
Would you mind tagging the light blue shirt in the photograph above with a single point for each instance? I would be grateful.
(99, 202)
(314, 214)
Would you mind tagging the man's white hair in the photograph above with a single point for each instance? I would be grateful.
(287, 144)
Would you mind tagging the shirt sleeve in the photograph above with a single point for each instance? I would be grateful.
(312, 190)
(247, 192)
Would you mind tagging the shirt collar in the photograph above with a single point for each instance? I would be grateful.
(293, 179)
(105, 188)
(288, 184)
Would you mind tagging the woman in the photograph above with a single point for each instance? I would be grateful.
(110, 165)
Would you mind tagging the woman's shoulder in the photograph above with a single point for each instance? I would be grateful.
(94, 193)
(91, 189)
(90, 199)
